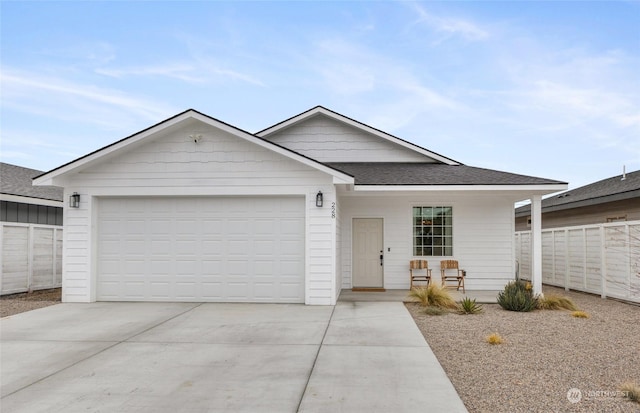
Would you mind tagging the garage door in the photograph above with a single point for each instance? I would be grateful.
(223, 249)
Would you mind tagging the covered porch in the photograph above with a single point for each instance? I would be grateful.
(481, 296)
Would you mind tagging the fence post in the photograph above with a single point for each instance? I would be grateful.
(30, 235)
(628, 254)
(566, 259)
(584, 258)
(603, 263)
(553, 255)
(53, 255)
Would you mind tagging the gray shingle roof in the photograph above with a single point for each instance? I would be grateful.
(382, 173)
(16, 180)
(607, 190)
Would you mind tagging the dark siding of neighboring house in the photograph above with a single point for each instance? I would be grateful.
(628, 210)
(29, 213)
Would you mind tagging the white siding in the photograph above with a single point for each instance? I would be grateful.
(219, 164)
(482, 236)
(327, 140)
(338, 257)
(321, 250)
(77, 268)
(171, 164)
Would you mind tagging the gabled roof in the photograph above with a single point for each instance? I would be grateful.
(607, 190)
(374, 173)
(121, 145)
(17, 180)
(320, 110)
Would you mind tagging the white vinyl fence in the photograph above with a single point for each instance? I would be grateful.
(601, 259)
(31, 257)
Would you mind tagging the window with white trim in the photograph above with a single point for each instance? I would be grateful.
(433, 231)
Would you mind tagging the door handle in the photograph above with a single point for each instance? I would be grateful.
(381, 258)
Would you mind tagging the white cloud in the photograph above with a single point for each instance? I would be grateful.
(385, 89)
(83, 53)
(449, 26)
(592, 103)
(179, 71)
(55, 96)
(200, 71)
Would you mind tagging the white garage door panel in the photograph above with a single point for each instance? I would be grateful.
(248, 249)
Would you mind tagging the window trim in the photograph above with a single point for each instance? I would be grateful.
(447, 249)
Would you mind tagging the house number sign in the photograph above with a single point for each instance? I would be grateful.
(333, 210)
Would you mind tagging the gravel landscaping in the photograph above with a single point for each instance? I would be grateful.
(19, 303)
(545, 354)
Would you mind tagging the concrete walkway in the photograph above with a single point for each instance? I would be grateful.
(374, 359)
(168, 357)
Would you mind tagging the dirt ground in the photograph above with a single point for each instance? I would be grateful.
(19, 303)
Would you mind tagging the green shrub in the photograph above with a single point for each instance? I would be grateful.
(433, 310)
(556, 302)
(517, 296)
(433, 295)
(469, 306)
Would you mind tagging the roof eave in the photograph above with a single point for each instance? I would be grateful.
(31, 200)
(357, 124)
(534, 189)
(48, 177)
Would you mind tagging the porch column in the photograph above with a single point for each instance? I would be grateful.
(536, 244)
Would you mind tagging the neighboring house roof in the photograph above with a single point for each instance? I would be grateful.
(17, 180)
(320, 110)
(381, 173)
(608, 190)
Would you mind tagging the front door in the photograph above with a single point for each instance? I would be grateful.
(367, 253)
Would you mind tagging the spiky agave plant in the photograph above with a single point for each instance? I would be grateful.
(469, 306)
(517, 297)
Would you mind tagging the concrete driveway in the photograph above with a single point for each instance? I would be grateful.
(183, 357)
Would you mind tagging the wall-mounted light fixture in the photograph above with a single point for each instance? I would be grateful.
(74, 200)
(319, 199)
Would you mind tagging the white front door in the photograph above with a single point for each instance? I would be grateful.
(367, 253)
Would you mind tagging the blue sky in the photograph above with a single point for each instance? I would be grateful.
(543, 88)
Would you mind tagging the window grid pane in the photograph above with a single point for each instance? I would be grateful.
(433, 231)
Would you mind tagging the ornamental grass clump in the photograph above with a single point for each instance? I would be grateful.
(631, 391)
(434, 296)
(494, 339)
(580, 314)
(517, 296)
(469, 306)
(556, 302)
